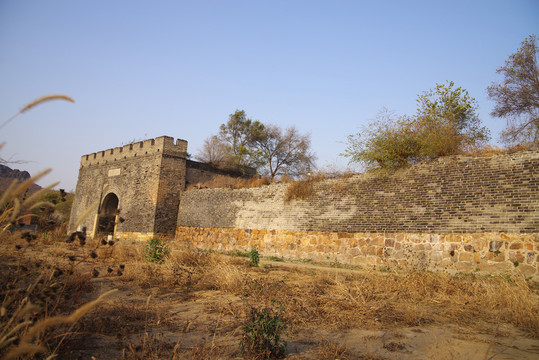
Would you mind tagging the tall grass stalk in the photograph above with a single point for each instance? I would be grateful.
(27, 345)
(35, 103)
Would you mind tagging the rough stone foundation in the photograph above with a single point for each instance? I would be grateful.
(499, 253)
(137, 236)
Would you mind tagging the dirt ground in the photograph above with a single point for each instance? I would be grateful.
(196, 304)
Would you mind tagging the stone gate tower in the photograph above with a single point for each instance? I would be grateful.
(137, 187)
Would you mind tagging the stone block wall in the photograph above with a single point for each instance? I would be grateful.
(171, 183)
(459, 198)
(481, 252)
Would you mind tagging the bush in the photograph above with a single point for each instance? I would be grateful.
(263, 331)
(302, 189)
(254, 257)
(156, 250)
(445, 124)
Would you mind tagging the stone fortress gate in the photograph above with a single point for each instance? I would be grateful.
(137, 188)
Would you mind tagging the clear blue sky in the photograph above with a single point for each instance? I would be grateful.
(142, 69)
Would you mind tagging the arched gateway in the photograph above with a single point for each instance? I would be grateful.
(108, 212)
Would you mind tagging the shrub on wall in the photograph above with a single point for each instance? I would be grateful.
(302, 189)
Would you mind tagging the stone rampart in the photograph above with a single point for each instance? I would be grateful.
(458, 196)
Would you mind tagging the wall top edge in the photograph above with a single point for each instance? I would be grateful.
(162, 144)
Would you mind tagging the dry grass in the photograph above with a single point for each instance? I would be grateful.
(221, 289)
(43, 99)
(489, 150)
(302, 189)
(221, 181)
(375, 300)
(298, 189)
(41, 301)
(342, 299)
(39, 306)
(333, 350)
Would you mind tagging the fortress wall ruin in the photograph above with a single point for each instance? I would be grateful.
(456, 213)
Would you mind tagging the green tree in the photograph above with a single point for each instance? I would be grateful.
(446, 123)
(269, 149)
(517, 96)
(286, 152)
(239, 135)
(387, 142)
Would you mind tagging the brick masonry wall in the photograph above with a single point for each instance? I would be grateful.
(171, 184)
(452, 195)
(456, 196)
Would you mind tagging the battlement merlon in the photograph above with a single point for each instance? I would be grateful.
(162, 144)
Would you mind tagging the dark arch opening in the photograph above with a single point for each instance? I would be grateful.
(107, 214)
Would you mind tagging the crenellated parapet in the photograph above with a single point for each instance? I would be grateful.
(163, 144)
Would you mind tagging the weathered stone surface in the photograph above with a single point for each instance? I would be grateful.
(527, 270)
(410, 253)
(465, 256)
(495, 256)
(389, 242)
(495, 245)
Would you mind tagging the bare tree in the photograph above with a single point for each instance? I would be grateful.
(244, 142)
(517, 97)
(286, 152)
(214, 151)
